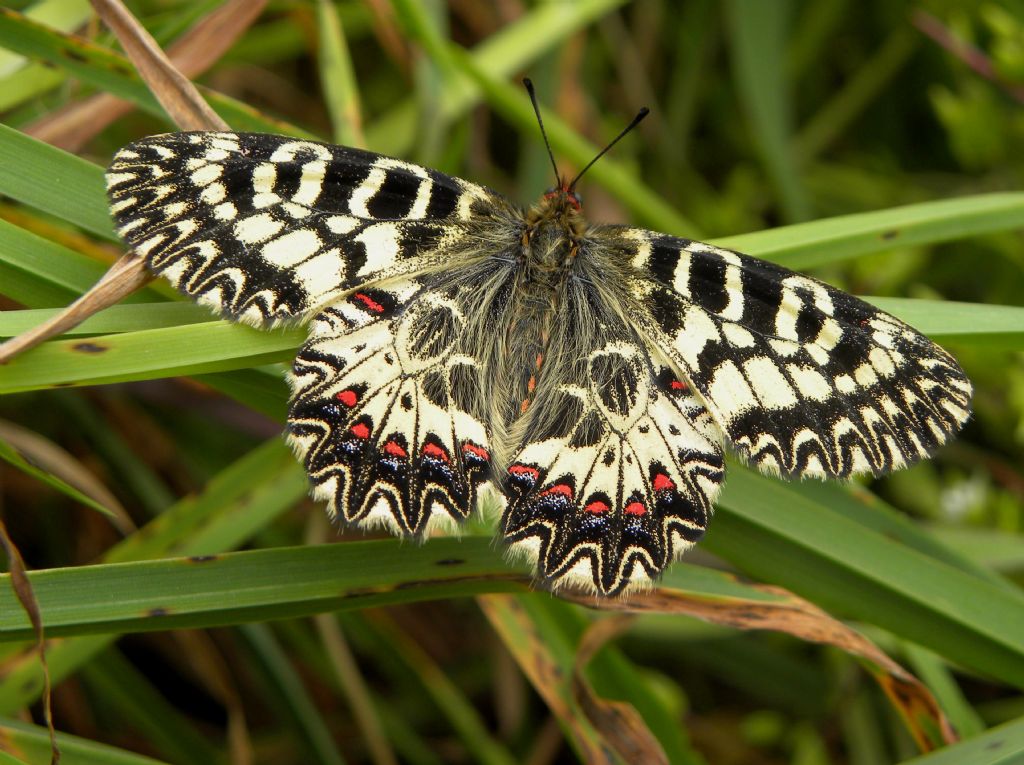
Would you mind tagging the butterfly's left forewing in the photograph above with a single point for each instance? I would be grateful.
(266, 228)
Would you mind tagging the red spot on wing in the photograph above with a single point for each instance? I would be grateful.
(479, 451)
(597, 507)
(662, 481)
(634, 508)
(359, 430)
(395, 449)
(435, 451)
(559, 488)
(348, 397)
(679, 385)
(369, 302)
(524, 470)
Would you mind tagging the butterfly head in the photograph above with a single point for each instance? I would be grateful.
(563, 198)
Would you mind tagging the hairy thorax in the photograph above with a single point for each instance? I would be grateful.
(551, 236)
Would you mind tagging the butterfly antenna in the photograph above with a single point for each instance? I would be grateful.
(636, 121)
(528, 83)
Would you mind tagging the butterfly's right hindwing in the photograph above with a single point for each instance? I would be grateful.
(620, 463)
(265, 228)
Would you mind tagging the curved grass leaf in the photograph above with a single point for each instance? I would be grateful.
(775, 532)
(512, 48)
(111, 72)
(239, 501)
(828, 559)
(192, 349)
(13, 457)
(805, 245)
(33, 743)
(49, 179)
(999, 746)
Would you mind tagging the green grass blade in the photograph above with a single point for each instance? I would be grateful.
(217, 346)
(757, 32)
(509, 50)
(113, 73)
(773, 531)
(114, 320)
(235, 504)
(337, 78)
(34, 742)
(137, 705)
(49, 179)
(805, 245)
(991, 326)
(65, 15)
(292, 697)
(512, 103)
(13, 457)
(999, 746)
(257, 585)
(51, 270)
(192, 349)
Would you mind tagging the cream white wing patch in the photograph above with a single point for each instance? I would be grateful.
(378, 414)
(625, 485)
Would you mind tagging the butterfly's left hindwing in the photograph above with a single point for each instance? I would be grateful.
(266, 228)
(380, 414)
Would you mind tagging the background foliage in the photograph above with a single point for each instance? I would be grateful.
(764, 115)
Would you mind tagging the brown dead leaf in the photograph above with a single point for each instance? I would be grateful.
(619, 723)
(192, 54)
(555, 684)
(23, 592)
(172, 89)
(783, 611)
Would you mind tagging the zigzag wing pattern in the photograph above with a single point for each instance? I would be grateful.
(803, 378)
(622, 483)
(380, 412)
(265, 228)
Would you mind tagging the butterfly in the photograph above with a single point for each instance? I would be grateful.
(588, 376)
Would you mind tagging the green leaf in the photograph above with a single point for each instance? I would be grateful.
(757, 35)
(112, 72)
(33, 742)
(12, 456)
(192, 349)
(775, 532)
(50, 179)
(805, 245)
(999, 746)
